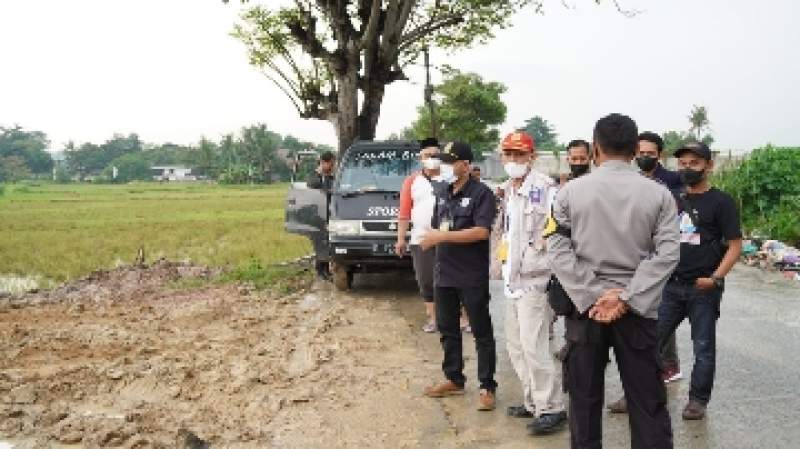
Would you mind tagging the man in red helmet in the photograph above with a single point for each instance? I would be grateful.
(528, 316)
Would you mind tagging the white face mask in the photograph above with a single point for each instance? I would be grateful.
(515, 170)
(431, 163)
(446, 173)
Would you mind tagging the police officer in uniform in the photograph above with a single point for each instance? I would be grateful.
(617, 246)
(462, 221)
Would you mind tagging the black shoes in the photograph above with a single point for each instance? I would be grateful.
(694, 411)
(619, 406)
(548, 423)
(518, 411)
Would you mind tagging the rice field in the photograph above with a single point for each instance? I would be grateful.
(59, 232)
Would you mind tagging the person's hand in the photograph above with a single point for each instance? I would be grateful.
(431, 239)
(499, 192)
(705, 283)
(400, 247)
(609, 307)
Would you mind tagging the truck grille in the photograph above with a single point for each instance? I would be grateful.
(379, 226)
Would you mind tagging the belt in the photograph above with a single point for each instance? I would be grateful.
(681, 281)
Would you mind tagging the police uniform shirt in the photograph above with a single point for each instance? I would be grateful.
(460, 264)
(624, 235)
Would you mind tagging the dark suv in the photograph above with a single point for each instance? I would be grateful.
(359, 219)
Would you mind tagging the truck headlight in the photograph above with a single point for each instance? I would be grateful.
(344, 227)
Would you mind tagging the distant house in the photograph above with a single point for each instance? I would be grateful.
(172, 173)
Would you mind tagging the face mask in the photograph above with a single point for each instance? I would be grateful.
(646, 163)
(578, 169)
(691, 177)
(446, 173)
(515, 170)
(431, 163)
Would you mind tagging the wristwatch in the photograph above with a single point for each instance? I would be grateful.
(719, 282)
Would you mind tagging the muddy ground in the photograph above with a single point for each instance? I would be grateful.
(121, 359)
(130, 359)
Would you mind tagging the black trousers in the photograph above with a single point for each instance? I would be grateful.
(634, 339)
(448, 312)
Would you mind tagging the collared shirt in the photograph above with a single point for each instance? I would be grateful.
(525, 212)
(624, 235)
(416, 204)
(463, 264)
(670, 179)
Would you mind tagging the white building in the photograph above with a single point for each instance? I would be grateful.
(172, 173)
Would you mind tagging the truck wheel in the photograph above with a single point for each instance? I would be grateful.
(342, 277)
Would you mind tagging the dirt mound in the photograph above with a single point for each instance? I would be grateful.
(125, 282)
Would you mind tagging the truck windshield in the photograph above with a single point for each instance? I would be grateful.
(377, 170)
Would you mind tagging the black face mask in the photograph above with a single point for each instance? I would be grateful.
(578, 169)
(691, 177)
(646, 163)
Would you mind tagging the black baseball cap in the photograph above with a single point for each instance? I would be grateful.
(698, 148)
(456, 151)
(429, 142)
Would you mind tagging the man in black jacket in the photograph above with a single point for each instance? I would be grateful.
(322, 178)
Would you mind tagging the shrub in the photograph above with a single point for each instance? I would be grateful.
(766, 187)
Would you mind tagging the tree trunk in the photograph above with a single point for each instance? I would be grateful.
(345, 120)
(371, 109)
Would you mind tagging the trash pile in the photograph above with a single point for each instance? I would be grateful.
(772, 255)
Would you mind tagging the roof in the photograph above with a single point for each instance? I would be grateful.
(170, 167)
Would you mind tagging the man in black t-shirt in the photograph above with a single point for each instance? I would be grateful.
(462, 221)
(711, 242)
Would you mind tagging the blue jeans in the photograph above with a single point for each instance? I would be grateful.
(702, 307)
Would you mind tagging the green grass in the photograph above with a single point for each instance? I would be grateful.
(64, 231)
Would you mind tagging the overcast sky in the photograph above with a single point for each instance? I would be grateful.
(168, 70)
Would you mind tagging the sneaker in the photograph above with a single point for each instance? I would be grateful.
(518, 411)
(620, 406)
(671, 373)
(486, 400)
(429, 328)
(694, 410)
(547, 423)
(444, 389)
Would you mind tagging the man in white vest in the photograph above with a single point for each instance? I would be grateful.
(528, 316)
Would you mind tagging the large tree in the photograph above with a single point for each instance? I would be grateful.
(467, 108)
(28, 146)
(324, 53)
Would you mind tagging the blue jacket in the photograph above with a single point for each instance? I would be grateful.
(671, 179)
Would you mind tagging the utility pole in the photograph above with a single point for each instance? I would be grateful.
(429, 91)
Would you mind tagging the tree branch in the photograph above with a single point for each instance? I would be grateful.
(429, 27)
(368, 37)
(285, 91)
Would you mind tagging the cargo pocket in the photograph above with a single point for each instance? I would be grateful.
(534, 263)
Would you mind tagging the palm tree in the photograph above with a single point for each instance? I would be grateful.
(698, 118)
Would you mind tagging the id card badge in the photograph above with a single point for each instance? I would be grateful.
(445, 225)
(502, 251)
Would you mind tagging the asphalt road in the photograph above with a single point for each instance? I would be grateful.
(756, 398)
